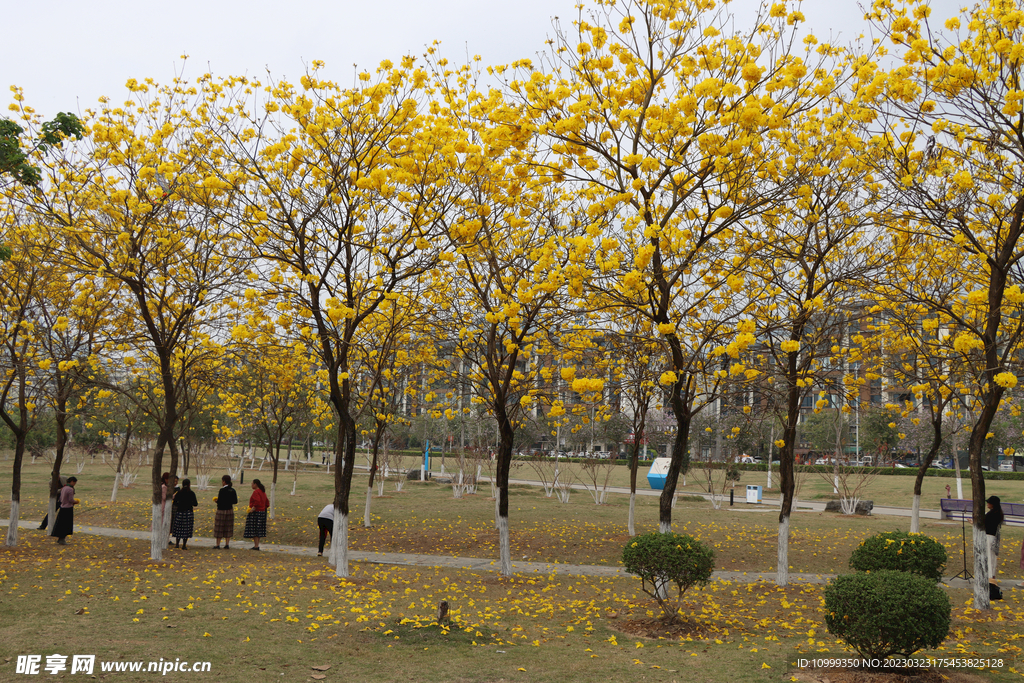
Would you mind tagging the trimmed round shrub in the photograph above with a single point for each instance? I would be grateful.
(902, 552)
(887, 613)
(664, 560)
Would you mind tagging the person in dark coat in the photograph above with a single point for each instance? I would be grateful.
(64, 524)
(993, 522)
(224, 520)
(184, 521)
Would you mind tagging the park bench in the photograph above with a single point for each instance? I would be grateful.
(956, 508)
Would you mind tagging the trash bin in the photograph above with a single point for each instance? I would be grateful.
(753, 493)
(658, 472)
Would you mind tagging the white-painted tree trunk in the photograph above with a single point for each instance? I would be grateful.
(12, 525)
(157, 535)
(332, 551)
(835, 484)
(915, 515)
(632, 514)
(960, 488)
(664, 527)
(167, 520)
(769, 481)
(497, 517)
(51, 513)
(981, 568)
(340, 540)
(270, 512)
(782, 576)
(504, 547)
(113, 492)
(294, 482)
(366, 513)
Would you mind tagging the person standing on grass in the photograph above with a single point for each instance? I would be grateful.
(224, 520)
(64, 524)
(993, 522)
(325, 520)
(184, 520)
(256, 520)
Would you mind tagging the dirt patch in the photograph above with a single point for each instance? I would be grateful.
(892, 676)
(655, 628)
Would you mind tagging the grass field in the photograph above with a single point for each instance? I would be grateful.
(266, 616)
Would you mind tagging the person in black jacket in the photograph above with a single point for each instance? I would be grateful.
(224, 521)
(184, 521)
(993, 521)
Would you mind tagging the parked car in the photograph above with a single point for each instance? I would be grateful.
(1006, 466)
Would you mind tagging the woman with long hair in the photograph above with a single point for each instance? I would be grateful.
(184, 520)
(224, 520)
(256, 520)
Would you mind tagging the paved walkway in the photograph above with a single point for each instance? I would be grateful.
(470, 563)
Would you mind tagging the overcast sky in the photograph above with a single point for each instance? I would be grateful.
(67, 54)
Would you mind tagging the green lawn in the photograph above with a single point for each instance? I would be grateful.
(256, 616)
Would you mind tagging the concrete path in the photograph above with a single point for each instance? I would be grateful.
(468, 563)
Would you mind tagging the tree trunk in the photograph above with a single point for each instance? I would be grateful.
(19, 456)
(58, 459)
(504, 465)
(634, 465)
(273, 491)
(632, 513)
(158, 530)
(915, 514)
(981, 568)
(346, 449)
(12, 526)
(366, 511)
(782, 575)
(922, 470)
(680, 462)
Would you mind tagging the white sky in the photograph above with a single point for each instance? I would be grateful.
(67, 54)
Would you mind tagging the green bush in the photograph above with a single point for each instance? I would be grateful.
(900, 551)
(887, 613)
(663, 560)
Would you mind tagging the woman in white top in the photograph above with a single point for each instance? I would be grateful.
(325, 520)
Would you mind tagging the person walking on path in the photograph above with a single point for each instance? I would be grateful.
(993, 522)
(256, 520)
(325, 520)
(64, 524)
(224, 520)
(184, 520)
